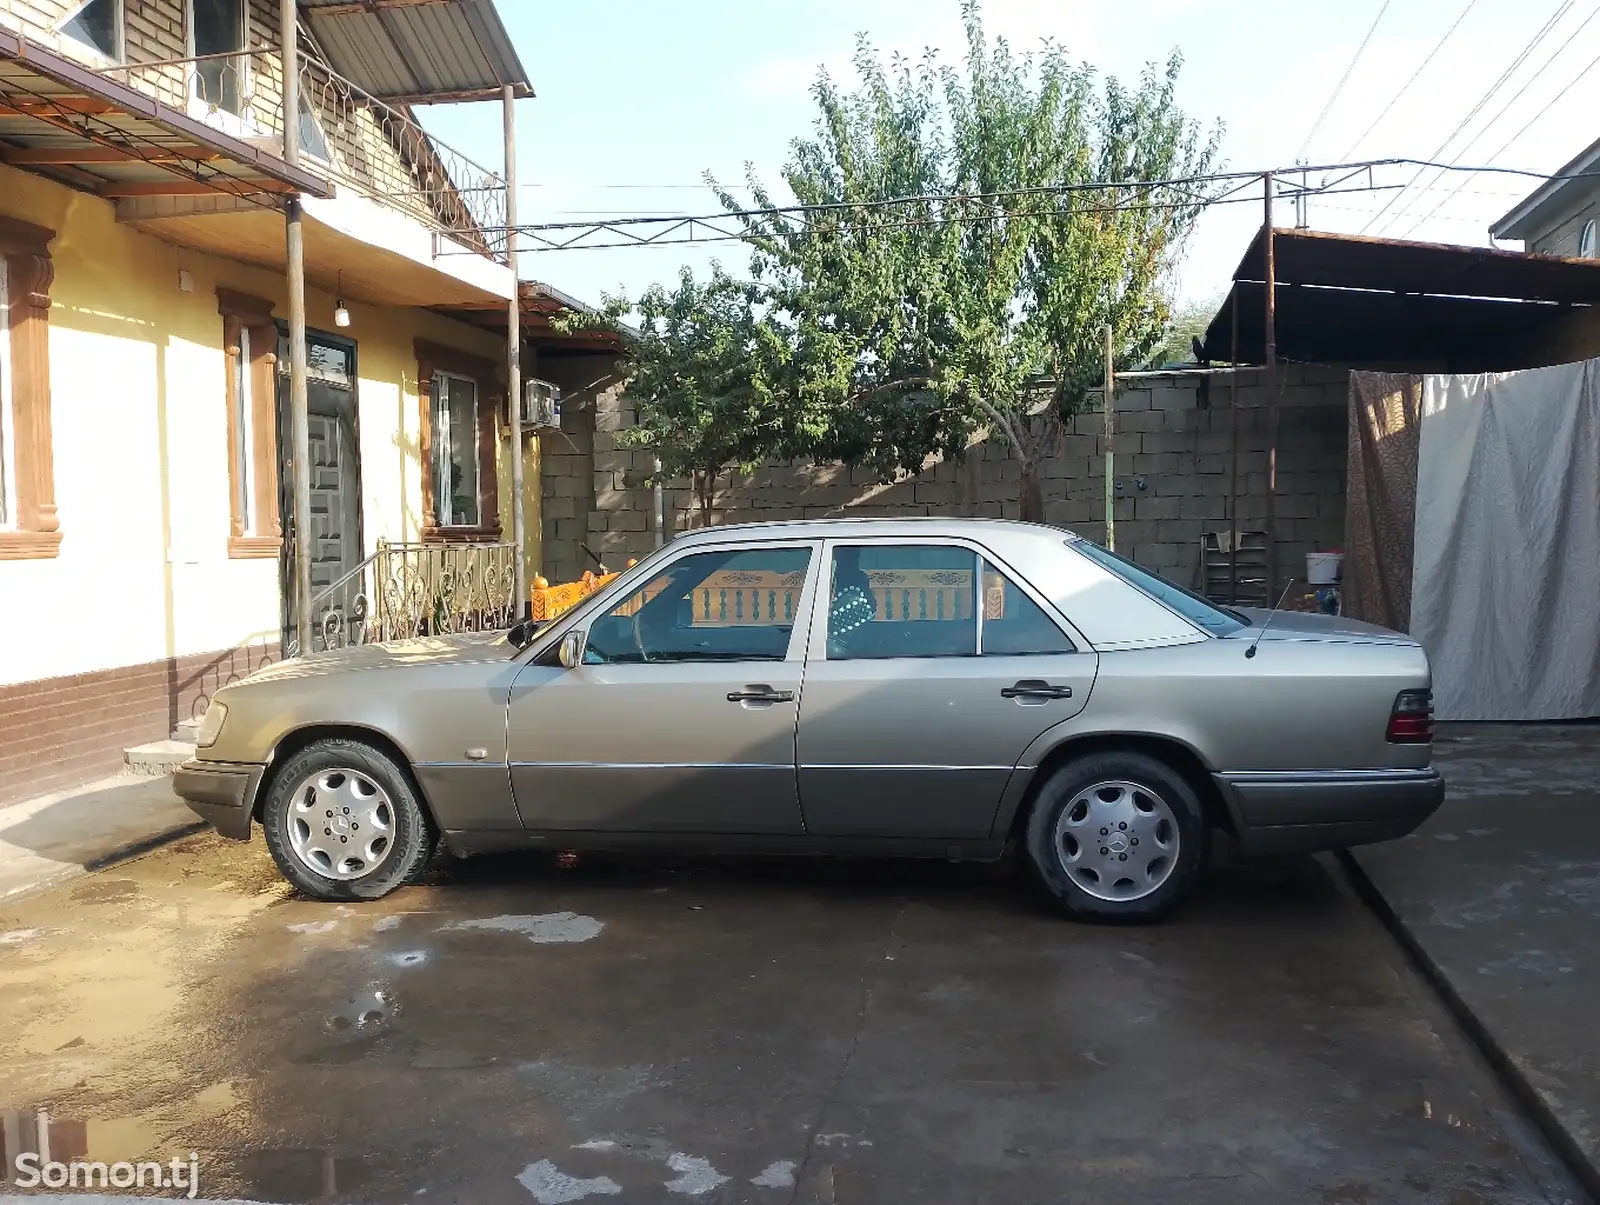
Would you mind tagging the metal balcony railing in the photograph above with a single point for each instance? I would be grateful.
(404, 591)
(360, 142)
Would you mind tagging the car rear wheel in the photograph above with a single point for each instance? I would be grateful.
(343, 822)
(1116, 836)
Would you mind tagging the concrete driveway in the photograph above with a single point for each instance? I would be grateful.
(810, 1032)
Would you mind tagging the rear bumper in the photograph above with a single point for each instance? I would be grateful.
(221, 793)
(1300, 810)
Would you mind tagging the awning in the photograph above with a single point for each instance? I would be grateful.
(539, 303)
(418, 51)
(1382, 303)
(61, 119)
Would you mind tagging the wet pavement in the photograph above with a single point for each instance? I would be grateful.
(1501, 889)
(813, 1032)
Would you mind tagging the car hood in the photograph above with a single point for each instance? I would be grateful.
(423, 650)
(1307, 625)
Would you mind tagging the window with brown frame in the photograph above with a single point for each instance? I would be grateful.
(460, 396)
(250, 343)
(29, 526)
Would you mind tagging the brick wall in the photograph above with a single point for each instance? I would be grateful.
(59, 732)
(1173, 434)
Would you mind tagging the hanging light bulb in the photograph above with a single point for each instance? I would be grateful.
(341, 316)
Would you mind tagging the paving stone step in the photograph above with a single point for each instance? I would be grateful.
(158, 757)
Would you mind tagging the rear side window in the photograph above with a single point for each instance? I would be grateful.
(1191, 606)
(1013, 624)
(902, 600)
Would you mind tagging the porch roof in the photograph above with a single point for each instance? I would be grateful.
(418, 51)
(64, 120)
(538, 303)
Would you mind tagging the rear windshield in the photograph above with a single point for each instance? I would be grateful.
(1190, 605)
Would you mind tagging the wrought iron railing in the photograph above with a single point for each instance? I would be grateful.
(403, 591)
(374, 148)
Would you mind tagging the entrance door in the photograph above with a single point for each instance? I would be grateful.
(335, 471)
(681, 717)
(925, 690)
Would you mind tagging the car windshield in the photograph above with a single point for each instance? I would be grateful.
(1185, 602)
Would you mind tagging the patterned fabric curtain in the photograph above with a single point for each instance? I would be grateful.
(1381, 497)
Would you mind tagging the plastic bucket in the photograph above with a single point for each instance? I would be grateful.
(1322, 568)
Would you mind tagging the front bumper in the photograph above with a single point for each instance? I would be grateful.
(221, 793)
(1302, 811)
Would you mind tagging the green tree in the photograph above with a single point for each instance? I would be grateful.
(912, 326)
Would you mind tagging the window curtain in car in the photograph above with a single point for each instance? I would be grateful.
(1506, 569)
(1381, 497)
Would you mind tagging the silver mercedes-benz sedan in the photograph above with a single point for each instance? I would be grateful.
(931, 688)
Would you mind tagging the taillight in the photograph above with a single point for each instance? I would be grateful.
(1411, 721)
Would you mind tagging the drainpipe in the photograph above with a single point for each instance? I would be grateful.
(514, 356)
(299, 427)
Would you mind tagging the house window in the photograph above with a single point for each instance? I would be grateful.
(7, 505)
(97, 25)
(217, 28)
(29, 525)
(455, 451)
(461, 398)
(250, 345)
(1586, 241)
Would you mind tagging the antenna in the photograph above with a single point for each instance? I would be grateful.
(1251, 651)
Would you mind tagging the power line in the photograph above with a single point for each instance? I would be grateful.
(1576, 80)
(1505, 108)
(1406, 87)
(1343, 80)
(1533, 44)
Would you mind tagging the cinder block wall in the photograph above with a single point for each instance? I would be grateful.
(1173, 446)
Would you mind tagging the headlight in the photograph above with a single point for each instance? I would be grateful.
(211, 726)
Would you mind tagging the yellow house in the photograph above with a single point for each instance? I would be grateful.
(145, 351)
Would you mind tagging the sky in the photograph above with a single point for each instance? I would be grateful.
(637, 99)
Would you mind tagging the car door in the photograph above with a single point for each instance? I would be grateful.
(681, 717)
(930, 671)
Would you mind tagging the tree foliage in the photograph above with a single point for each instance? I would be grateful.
(883, 334)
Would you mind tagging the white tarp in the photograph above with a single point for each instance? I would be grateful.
(1506, 590)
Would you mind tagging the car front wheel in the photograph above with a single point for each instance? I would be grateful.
(1116, 836)
(343, 822)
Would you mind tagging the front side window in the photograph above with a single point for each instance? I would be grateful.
(217, 29)
(97, 25)
(455, 451)
(708, 606)
(1186, 603)
(902, 600)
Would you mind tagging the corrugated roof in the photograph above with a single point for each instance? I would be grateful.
(418, 51)
(1525, 219)
(1344, 299)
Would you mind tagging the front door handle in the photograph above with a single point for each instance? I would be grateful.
(1031, 688)
(760, 694)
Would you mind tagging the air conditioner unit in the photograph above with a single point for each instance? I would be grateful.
(541, 406)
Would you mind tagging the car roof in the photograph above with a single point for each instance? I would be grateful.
(820, 529)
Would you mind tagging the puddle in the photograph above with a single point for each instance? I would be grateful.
(546, 928)
(366, 1010)
(696, 1176)
(407, 958)
(776, 1175)
(301, 1175)
(552, 1186)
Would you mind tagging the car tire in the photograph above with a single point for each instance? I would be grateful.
(1120, 799)
(339, 786)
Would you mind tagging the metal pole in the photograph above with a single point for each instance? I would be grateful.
(514, 355)
(660, 507)
(1272, 392)
(1111, 433)
(1233, 450)
(299, 426)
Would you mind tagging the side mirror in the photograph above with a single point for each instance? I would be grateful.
(522, 634)
(572, 645)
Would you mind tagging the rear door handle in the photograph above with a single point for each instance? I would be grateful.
(1034, 689)
(760, 694)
